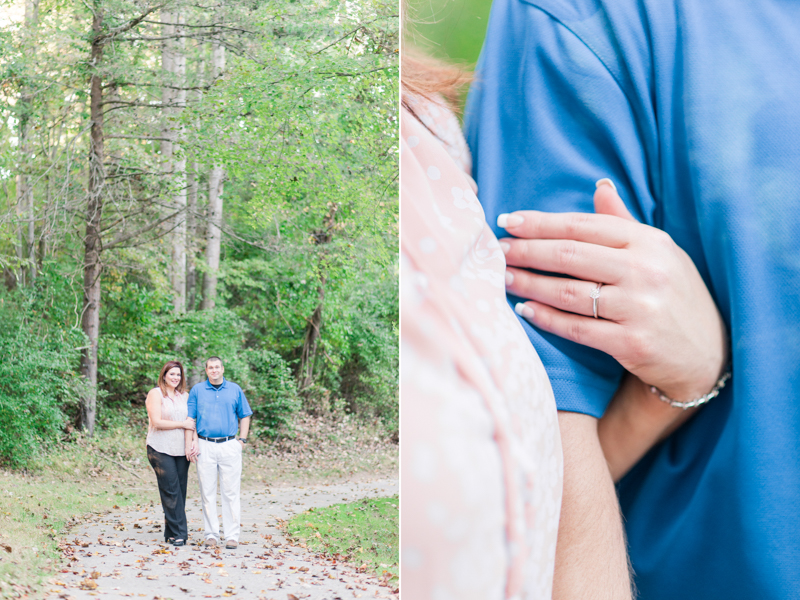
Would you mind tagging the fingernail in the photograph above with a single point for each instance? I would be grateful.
(509, 278)
(505, 247)
(524, 311)
(505, 220)
(606, 181)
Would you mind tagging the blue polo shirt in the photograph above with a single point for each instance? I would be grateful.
(217, 411)
(693, 109)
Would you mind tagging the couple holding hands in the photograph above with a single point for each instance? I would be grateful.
(634, 429)
(201, 427)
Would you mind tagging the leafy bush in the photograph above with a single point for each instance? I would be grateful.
(38, 378)
(271, 391)
(129, 362)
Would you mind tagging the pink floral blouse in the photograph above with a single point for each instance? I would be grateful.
(481, 465)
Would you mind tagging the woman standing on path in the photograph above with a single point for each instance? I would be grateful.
(168, 416)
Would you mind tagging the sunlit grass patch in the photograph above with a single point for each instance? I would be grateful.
(364, 533)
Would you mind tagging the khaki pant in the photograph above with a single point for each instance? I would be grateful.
(223, 460)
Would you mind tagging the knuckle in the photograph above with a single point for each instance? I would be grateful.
(565, 253)
(663, 239)
(534, 220)
(577, 331)
(575, 223)
(639, 346)
(567, 294)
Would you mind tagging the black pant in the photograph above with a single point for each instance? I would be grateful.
(171, 473)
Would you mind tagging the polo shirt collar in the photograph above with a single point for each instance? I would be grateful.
(211, 387)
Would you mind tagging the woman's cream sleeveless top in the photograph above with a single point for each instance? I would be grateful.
(169, 441)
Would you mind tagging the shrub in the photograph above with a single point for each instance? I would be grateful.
(271, 391)
(38, 378)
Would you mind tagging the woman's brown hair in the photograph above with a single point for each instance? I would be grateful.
(162, 382)
(431, 79)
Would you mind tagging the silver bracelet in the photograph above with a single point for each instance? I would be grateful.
(697, 401)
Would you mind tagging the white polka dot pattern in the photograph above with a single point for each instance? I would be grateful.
(481, 464)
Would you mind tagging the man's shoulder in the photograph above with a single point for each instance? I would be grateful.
(234, 386)
(578, 10)
(197, 387)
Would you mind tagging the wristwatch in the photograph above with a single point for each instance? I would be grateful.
(243, 440)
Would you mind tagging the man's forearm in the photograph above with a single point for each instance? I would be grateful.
(591, 554)
(244, 427)
(634, 422)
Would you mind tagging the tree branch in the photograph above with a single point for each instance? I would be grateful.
(124, 238)
(138, 137)
(144, 38)
(349, 33)
(129, 25)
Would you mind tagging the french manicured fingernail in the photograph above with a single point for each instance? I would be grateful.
(509, 278)
(606, 181)
(524, 311)
(505, 220)
(505, 247)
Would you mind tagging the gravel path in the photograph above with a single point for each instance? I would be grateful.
(121, 554)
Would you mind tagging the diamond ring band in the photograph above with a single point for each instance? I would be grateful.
(595, 296)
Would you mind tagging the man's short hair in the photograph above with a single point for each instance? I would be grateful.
(214, 358)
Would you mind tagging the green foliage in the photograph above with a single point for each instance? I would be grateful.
(367, 531)
(272, 392)
(38, 382)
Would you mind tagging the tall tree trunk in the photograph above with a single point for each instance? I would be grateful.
(191, 235)
(215, 182)
(311, 340)
(321, 236)
(192, 230)
(179, 175)
(173, 63)
(92, 267)
(213, 237)
(25, 205)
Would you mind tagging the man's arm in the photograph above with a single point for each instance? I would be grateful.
(546, 118)
(244, 427)
(591, 554)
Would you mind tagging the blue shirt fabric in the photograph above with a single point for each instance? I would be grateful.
(692, 109)
(217, 411)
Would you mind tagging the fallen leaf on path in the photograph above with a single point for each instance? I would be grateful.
(152, 576)
(95, 575)
(88, 584)
(207, 581)
(292, 597)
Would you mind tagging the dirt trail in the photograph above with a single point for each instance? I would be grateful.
(124, 552)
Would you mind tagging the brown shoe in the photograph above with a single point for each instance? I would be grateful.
(231, 544)
(211, 542)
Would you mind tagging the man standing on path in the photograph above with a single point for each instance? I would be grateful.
(220, 409)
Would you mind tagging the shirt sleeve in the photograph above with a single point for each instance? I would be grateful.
(242, 406)
(553, 110)
(191, 403)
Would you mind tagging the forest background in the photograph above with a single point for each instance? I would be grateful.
(182, 179)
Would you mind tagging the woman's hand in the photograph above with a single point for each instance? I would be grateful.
(655, 315)
(188, 424)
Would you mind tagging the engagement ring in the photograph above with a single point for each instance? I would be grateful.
(595, 296)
